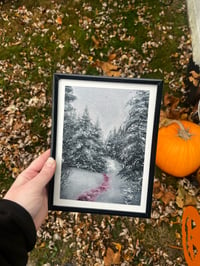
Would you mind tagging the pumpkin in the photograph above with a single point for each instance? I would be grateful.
(178, 148)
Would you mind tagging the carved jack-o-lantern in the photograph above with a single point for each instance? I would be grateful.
(191, 235)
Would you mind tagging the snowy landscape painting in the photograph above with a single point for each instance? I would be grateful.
(103, 153)
(102, 148)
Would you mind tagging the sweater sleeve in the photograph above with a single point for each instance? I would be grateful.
(17, 234)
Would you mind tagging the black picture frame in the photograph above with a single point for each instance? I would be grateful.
(104, 134)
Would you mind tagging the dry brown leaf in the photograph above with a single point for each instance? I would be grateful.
(108, 259)
(111, 256)
(170, 100)
(116, 258)
(172, 110)
(113, 73)
(59, 20)
(174, 102)
(167, 197)
(178, 235)
(112, 57)
(96, 42)
(194, 81)
(15, 170)
(108, 68)
(158, 195)
(118, 246)
(142, 227)
(184, 116)
(163, 115)
(195, 74)
(183, 198)
(156, 184)
(17, 126)
(180, 198)
(129, 255)
(42, 245)
(175, 55)
(190, 200)
(166, 99)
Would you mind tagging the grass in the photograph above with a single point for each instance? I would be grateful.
(26, 45)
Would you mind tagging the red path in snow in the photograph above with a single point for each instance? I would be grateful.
(92, 194)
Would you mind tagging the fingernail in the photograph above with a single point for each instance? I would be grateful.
(50, 162)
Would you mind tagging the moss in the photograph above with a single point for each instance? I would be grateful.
(11, 52)
(5, 178)
(46, 254)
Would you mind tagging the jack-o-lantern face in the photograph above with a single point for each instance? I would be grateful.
(191, 235)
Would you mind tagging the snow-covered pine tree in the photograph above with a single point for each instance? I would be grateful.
(98, 148)
(88, 151)
(132, 154)
(114, 143)
(70, 127)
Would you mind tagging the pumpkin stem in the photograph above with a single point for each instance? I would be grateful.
(182, 132)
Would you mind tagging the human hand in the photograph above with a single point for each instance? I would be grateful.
(29, 189)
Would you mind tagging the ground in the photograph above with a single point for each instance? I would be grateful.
(127, 38)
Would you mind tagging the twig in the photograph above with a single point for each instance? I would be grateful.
(175, 247)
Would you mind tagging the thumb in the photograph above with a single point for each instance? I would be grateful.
(46, 173)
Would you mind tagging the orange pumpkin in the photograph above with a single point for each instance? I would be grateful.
(178, 148)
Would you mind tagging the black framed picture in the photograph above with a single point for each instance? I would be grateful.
(104, 133)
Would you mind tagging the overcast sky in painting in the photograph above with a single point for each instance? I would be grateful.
(106, 105)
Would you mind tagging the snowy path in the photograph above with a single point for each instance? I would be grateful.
(86, 185)
(92, 194)
(113, 194)
(107, 187)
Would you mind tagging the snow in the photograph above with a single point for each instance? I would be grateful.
(113, 194)
(79, 184)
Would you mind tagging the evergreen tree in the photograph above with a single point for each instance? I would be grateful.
(87, 150)
(98, 149)
(132, 154)
(114, 143)
(69, 127)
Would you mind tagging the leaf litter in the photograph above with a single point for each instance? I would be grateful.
(47, 40)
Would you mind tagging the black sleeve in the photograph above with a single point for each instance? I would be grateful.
(17, 234)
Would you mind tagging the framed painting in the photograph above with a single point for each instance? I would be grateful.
(104, 133)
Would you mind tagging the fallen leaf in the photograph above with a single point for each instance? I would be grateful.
(111, 256)
(42, 245)
(15, 170)
(117, 245)
(59, 20)
(183, 198)
(167, 197)
(108, 259)
(190, 200)
(116, 258)
(112, 57)
(194, 81)
(96, 42)
(178, 235)
(180, 197)
(171, 103)
(195, 74)
(166, 100)
(108, 68)
(163, 115)
(158, 195)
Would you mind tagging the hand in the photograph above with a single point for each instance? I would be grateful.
(29, 189)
